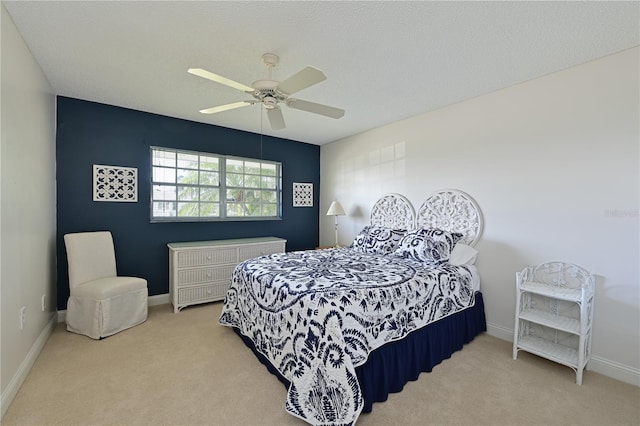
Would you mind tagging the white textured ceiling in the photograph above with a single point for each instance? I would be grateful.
(385, 61)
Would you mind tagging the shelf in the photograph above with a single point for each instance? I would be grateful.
(554, 291)
(540, 324)
(559, 322)
(547, 349)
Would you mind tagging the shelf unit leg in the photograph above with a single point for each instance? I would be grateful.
(579, 376)
(516, 327)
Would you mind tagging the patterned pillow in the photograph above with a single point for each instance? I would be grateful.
(428, 245)
(374, 239)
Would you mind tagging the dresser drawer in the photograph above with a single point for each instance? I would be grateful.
(202, 293)
(204, 275)
(203, 257)
(250, 252)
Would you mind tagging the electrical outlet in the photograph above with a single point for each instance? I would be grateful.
(43, 301)
(23, 316)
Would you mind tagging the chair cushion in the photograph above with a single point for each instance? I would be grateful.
(104, 288)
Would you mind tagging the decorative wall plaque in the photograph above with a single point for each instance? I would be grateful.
(302, 194)
(114, 183)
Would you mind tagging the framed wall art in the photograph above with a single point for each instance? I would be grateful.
(115, 183)
(302, 194)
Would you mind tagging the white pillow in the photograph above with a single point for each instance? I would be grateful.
(463, 254)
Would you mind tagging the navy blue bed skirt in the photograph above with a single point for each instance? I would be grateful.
(391, 366)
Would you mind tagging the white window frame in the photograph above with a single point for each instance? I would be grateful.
(226, 206)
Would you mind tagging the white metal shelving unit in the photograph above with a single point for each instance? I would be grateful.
(554, 314)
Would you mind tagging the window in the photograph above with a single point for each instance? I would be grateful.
(192, 186)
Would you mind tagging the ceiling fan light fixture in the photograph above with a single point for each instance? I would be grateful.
(269, 102)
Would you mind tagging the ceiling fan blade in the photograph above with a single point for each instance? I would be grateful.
(219, 79)
(276, 118)
(227, 107)
(315, 108)
(303, 79)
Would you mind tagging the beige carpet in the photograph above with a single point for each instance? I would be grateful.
(186, 369)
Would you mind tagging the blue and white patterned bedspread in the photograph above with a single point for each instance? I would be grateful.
(316, 315)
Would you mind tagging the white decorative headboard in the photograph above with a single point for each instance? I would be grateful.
(393, 211)
(448, 209)
(454, 211)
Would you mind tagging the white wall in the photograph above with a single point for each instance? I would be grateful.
(553, 164)
(28, 209)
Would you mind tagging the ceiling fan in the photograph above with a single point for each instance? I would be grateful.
(271, 92)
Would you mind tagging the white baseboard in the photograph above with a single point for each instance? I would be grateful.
(615, 370)
(500, 332)
(25, 366)
(606, 367)
(159, 299)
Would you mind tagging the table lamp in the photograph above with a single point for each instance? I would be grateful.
(335, 209)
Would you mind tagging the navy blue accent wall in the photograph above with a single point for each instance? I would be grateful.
(89, 133)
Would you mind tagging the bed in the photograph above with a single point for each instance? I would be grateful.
(342, 328)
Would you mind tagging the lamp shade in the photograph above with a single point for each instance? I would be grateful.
(335, 209)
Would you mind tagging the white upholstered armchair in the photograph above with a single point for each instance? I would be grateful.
(100, 302)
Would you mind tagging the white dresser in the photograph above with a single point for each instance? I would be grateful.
(200, 271)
